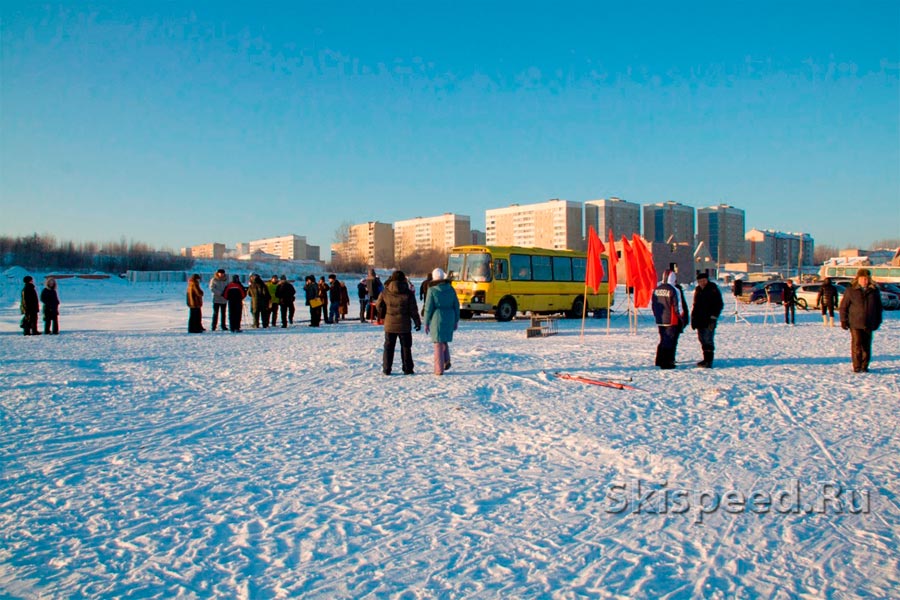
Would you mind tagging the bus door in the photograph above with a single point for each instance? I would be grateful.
(500, 269)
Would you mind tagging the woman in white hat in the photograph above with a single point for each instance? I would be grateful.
(441, 318)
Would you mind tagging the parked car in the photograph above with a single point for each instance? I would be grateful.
(809, 292)
(890, 297)
(772, 291)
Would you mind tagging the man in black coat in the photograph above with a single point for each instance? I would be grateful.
(827, 299)
(789, 299)
(861, 313)
(286, 293)
(708, 306)
(30, 307)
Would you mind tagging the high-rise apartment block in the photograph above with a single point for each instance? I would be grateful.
(552, 224)
(213, 250)
(430, 233)
(669, 220)
(624, 218)
(721, 228)
(778, 249)
(371, 243)
(286, 247)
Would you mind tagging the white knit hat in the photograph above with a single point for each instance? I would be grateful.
(438, 274)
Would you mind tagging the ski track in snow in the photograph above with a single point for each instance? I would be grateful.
(281, 463)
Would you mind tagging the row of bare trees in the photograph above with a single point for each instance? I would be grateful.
(45, 252)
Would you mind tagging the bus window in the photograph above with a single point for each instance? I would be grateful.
(579, 266)
(562, 268)
(455, 265)
(520, 267)
(500, 269)
(540, 268)
(478, 268)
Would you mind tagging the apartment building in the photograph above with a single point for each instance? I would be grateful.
(779, 249)
(430, 233)
(622, 217)
(721, 228)
(213, 250)
(286, 247)
(553, 224)
(669, 220)
(371, 243)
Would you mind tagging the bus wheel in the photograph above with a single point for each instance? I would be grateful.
(506, 310)
(465, 314)
(577, 308)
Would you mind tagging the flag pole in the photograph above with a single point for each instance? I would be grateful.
(583, 311)
(608, 306)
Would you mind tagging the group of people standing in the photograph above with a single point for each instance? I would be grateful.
(30, 306)
(267, 300)
(397, 307)
(321, 295)
(860, 313)
(671, 313)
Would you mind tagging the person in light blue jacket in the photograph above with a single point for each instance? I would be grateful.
(441, 318)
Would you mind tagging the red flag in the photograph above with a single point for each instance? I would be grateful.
(630, 265)
(594, 271)
(613, 261)
(646, 274)
(652, 276)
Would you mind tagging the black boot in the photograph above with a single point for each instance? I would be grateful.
(707, 361)
(668, 359)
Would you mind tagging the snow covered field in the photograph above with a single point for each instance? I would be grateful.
(138, 460)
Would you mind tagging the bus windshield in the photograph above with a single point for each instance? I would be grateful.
(470, 267)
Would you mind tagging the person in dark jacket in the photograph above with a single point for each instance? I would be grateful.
(789, 299)
(827, 299)
(311, 291)
(195, 304)
(441, 313)
(234, 294)
(335, 296)
(323, 296)
(50, 302)
(671, 313)
(259, 301)
(423, 289)
(397, 307)
(361, 291)
(29, 306)
(374, 287)
(704, 316)
(861, 313)
(217, 286)
(286, 294)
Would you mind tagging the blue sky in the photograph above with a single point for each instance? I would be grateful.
(178, 124)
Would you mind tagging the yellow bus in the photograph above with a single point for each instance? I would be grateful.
(505, 280)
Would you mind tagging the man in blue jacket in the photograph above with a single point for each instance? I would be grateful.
(671, 314)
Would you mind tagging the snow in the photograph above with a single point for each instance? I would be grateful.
(140, 460)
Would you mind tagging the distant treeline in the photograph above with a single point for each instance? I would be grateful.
(47, 253)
